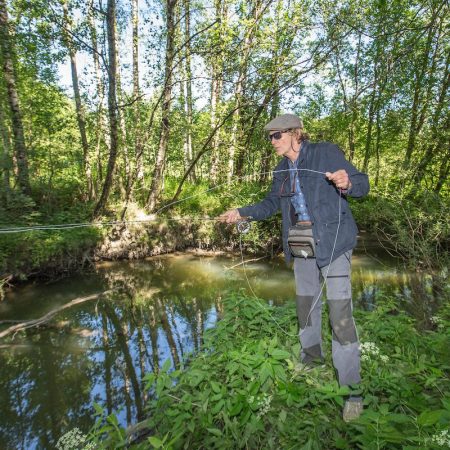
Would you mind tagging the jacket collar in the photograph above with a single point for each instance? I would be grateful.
(301, 157)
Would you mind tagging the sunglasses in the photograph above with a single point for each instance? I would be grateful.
(277, 136)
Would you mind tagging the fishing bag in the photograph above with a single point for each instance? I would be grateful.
(301, 241)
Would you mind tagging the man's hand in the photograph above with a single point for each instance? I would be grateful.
(231, 216)
(340, 179)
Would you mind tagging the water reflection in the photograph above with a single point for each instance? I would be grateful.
(99, 351)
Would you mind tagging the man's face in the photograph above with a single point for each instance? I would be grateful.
(285, 146)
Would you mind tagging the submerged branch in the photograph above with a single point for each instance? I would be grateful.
(36, 322)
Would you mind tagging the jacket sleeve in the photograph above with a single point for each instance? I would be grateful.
(360, 181)
(269, 205)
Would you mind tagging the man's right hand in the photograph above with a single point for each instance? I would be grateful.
(231, 216)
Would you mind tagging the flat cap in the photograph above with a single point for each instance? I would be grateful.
(284, 122)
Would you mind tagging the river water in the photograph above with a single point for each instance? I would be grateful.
(99, 351)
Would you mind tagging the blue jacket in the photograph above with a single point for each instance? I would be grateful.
(322, 200)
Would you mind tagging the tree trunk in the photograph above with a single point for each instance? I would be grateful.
(158, 172)
(188, 72)
(20, 149)
(443, 172)
(5, 158)
(236, 149)
(377, 147)
(102, 134)
(217, 69)
(139, 170)
(437, 136)
(112, 107)
(78, 103)
(124, 163)
(414, 127)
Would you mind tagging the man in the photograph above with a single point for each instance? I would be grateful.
(310, 186)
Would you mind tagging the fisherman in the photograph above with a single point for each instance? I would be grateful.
(310, 186)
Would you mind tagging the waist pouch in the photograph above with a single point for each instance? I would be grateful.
(301, 241)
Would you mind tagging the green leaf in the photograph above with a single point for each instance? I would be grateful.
(215, 431)
(215, 387)
(265, 372)
(279, 371)
(196, 377)
(280, 354)
(236, 409)
(399, 418)
(166, 366)
(217, 407)
(216, 397)
(428, 418)
(157, 443)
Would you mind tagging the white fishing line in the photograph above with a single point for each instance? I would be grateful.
(67, 226)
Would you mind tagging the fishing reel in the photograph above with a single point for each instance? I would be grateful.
(243, 226)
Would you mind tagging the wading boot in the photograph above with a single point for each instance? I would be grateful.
(353, 408)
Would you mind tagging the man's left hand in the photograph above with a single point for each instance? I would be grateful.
(340, 178)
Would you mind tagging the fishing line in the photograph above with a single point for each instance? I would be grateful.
(65, 226)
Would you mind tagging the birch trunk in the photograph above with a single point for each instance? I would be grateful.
(139, 170)
(126, 173)
(158, 172)
(221, 11)
(188, 72)
(112, 108)
(102, 134)
(20, 149)
(78, 103)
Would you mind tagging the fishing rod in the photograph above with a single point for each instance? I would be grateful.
(243, 227)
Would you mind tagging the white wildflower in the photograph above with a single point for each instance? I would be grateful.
(442, 439)
(264, 404)
(436, 320)
(369, 350)
(74, 440)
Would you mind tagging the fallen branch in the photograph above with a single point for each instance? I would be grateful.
(49, 315)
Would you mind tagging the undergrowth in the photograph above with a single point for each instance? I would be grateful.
(246, 389)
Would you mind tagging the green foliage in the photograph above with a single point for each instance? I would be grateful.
(415, 229)
(47, 252)
(245, 389)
